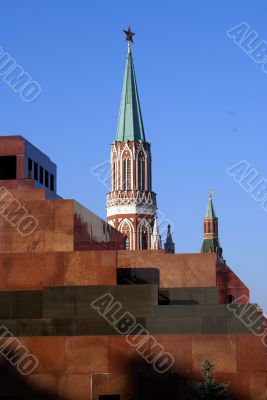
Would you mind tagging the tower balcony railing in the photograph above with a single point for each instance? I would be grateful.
(126, 197)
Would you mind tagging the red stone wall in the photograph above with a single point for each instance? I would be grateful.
(176, 270)
(62, 251)
(54, 231)
(81, 368)
(99, 267)
(36, 270)
(62, 226)
(230, 285)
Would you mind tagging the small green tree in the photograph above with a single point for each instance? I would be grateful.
(208, 389)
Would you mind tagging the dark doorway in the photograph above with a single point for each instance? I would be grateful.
(159, 387)
(109, 397)
(8, 167)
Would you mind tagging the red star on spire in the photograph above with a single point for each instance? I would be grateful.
(129, 35)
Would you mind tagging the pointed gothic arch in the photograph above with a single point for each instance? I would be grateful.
(126, 167)
(127, 229)
(140, 173)
(114, 153)
(126, 149)
(144, 233)
(143, 168)
(114, 160)
(141, 148)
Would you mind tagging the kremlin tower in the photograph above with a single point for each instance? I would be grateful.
(131, 204)
(211, 242)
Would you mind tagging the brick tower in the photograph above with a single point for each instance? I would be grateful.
(211, 242)
(131, 205)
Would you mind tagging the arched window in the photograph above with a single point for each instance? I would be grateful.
(127, 174)
(209, 230)
(144, 234)
(126, 243)
(144, 241)
(114, 175)
(127, 229)
(141, 174)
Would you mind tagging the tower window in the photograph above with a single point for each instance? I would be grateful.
(144, 241)
(114, 176)
(126, 230)
(141, 174)
(126, 243)
(209, 230)
(127, 174)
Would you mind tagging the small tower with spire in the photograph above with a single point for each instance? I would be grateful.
(211, 242)
(169, 246)
(156, 238)
(131, 204)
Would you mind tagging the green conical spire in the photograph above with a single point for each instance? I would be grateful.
(210, 213)
(130, 123)
(211, 242)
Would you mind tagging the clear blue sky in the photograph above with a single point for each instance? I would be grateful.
(203, 101)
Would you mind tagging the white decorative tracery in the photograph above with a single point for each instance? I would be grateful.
(144, 232)
(131, 193)
(127, 228)
(141, 148)
(123, 197)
